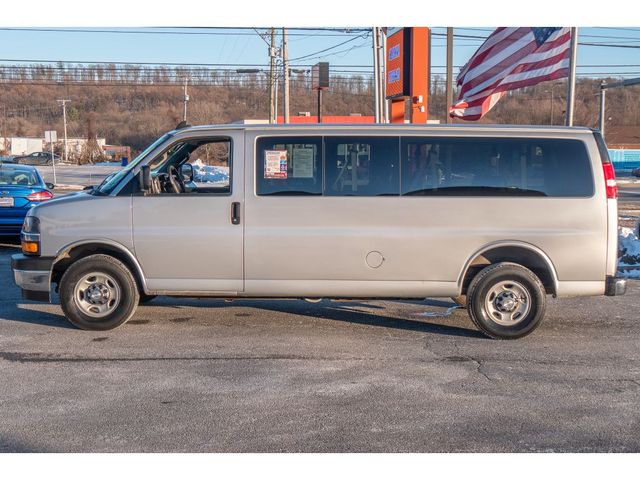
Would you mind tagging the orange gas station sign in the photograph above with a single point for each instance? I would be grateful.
(397, 81)
(407, 73)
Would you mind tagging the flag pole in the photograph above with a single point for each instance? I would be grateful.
(571, 93)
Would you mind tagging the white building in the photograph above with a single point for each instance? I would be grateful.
(75, 145)
(21, 145)
(26, 145)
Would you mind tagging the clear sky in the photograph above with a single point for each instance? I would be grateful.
(244, 46)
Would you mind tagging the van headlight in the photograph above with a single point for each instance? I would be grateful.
(30, 236)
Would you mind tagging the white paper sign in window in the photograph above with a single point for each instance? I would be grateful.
(275, 164)
(303, 162)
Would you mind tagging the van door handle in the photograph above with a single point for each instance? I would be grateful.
(235, 213)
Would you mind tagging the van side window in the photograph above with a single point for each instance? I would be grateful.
(495, 167)
(289, 166)
(194, 166)
(210, 163)
(362, 166)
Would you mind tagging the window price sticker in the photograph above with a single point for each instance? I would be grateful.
(275, 164)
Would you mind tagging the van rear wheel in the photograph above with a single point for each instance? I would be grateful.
(98, 292)
(506, 301)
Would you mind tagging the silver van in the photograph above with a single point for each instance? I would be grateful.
(496, 217)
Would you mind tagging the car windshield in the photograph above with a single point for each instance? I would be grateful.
(111, 181)
(18, 176)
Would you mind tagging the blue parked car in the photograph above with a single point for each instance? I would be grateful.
(21, 187)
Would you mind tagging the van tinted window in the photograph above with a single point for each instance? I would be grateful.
(363, 166)
(495, 166)
(289, 166)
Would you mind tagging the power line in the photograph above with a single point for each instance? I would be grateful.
(599, 44)
(153, 32)
(616, 37)
(585, 35)
(220, 68)
(170, 64)
(618, 29)
(304, 29)
(329, 48)
(339, 32)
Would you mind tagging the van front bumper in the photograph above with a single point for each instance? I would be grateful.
(615, 286)
(33, 275)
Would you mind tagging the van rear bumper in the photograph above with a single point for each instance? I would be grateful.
(32, 275)
(615, 286)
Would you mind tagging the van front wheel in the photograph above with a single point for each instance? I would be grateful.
(506, 301)
(98, 292)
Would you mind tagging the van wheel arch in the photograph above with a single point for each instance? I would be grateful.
(69, 257)
(522, 255)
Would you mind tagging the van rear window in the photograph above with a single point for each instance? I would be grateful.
(495, 167)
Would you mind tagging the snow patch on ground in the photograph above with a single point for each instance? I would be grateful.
(629, 247)
(107, 164)
(69, 186)
(209, 173)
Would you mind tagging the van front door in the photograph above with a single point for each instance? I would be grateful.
(188, 233)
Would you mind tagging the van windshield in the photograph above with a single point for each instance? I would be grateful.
(111, 181)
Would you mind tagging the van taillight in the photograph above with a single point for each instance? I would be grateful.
(40, 196)
(610, 180)
(607, 166)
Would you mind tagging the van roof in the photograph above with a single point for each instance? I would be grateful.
(390, 126)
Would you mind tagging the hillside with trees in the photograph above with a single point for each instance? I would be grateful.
(133, 105)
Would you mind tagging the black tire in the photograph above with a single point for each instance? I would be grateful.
(120, 278)
(144, 298)
(460, 300)
(486, 314)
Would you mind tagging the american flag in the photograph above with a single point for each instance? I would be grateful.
(510, 58)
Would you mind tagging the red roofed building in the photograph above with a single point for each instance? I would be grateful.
(328, 119)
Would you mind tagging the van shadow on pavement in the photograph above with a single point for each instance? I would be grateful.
(338, 311)
(346, 312)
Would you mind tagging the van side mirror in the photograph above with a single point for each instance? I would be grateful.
(144, 178)
(186, 170)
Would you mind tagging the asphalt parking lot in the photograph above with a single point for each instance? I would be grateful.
(289, 376)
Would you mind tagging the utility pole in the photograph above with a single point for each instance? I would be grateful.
(376, 75)
(603, 91)
(572, 77)
(186, 99)
(3, 132)
(449, 82)
(385, 103)
(285, 72)
(551, 112)
(381, 75)
(64, 119)
(272, 77)
(5, 141)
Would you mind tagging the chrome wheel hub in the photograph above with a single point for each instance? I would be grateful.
(508, 303)
(97, 294)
